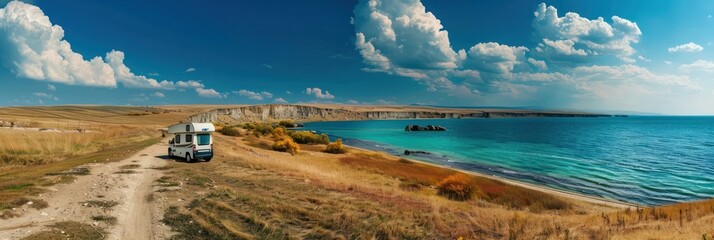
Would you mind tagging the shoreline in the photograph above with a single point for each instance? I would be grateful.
(557, 192)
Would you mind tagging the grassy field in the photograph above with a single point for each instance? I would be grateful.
(251, 192)
(45, 147)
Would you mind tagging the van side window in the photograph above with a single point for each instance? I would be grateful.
(177, 139)
(189, 138)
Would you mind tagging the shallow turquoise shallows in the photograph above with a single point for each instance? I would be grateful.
(644, 160)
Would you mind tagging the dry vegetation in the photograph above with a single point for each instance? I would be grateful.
(250, 191)
(48, 144)
(255, 193)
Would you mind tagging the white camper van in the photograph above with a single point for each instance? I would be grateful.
(192, 141)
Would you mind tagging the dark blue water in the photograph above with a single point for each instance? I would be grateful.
(644, 160)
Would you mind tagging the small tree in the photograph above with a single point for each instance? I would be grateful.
(335, 147)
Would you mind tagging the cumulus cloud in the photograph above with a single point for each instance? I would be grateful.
(154, 74)
(209, 93)
(158, 94)
(123, 74)
(496, 58)
(254, 95)
(699, 65)
(688, 47)
(190, 69)
(402, 33)
(572, 36)
(539, 64)
(318, 93)
(352, 102)
(51, 87)
(280, 100)
(36, 50)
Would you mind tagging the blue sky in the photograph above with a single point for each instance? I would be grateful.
(593, 55)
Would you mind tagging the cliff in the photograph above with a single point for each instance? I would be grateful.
(262, 113)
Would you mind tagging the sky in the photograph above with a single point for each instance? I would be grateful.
(605, 55)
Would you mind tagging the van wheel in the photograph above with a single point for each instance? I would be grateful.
(188, 157)
(171, 155)
(207, 159)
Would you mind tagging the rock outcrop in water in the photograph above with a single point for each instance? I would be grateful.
(271, 112)
(410, 128)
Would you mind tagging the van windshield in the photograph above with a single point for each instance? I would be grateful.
(204, 139)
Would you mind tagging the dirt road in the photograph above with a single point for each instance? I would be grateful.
(117, 197)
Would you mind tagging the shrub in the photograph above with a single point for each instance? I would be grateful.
(456, 187)
(286, 144)
(335, 147)
(279, 133)
(230, 131)
(286, 124)
(259, 128)
(305, 137)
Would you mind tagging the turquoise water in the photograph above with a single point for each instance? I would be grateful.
(644, 160)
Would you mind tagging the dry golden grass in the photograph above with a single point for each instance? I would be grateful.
(28, 147)
(31, 160)
(250, 192)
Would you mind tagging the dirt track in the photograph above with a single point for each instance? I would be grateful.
(138, 212)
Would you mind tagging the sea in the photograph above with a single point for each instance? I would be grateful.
(650, 160)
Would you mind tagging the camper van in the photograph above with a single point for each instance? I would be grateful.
(192, 141)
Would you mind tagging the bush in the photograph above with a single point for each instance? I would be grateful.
(335, 147)
(456, 187)
(279, 133)
(259, 129)
(230, 131)
(286, 144)
(286, 124)
(305, 137)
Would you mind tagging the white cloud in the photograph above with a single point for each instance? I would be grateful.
(190, 69)
(495, 58)
(158, 94)
(154, 74)
(36, 50)
(51, 87)
(189, 84)
(688, 47)
(280, 100)
(45, 95)
(632, 73)
(318, 93)
(402, 34)
(667, 62)
(209, 93)
(644, 59)
(699, 65)
(573, 37)
(541, 65)
(353, 102)
(384, 102)
(123, 74)
(254, 95)
(267, 66)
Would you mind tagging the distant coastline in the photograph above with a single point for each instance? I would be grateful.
(330, 112)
